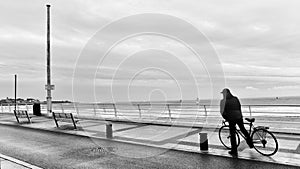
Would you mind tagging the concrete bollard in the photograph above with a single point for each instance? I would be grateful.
(203, 141)
(109, 132)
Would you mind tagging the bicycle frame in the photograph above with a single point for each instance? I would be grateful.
(251, 128)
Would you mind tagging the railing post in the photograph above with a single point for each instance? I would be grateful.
(198, 106)
(62, 108)
(95, 111)
(250, 111)
(140, 113)
(205, 111)
(115, 109)
(76, 108)
(170, 116)
(9, 108)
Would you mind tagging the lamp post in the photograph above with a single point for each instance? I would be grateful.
(48, 86)
(15, 92)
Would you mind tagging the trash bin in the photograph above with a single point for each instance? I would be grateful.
(37, 109)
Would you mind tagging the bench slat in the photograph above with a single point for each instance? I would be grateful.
(22, 114)
(64, 117)
(66, 120)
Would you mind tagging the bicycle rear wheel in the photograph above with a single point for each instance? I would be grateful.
(224, 136)
(264, 142)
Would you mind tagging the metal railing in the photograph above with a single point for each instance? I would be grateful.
(135, 110)
(9, 107)
(170, 110)
(164, 111)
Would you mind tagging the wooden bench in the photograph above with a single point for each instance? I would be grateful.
(64, 117)
(22, 114)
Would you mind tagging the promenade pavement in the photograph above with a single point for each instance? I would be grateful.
(178, 137)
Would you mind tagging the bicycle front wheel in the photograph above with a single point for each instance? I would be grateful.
(264, 142)
(224, 136)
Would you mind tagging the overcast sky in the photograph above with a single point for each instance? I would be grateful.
(256, 42)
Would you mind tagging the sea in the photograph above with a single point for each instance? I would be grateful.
(174, 109)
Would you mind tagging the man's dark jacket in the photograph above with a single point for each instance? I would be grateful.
(230, 109)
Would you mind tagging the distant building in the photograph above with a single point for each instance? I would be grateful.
(19, 101)
(31, 100)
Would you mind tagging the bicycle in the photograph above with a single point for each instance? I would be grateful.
(264, 141)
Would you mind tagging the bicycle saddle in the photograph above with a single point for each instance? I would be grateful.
(251, 120)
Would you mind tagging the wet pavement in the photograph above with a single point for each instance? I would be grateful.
(175, 137)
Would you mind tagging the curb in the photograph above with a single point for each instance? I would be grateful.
(19, 162)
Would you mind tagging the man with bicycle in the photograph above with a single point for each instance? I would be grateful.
(230, 108)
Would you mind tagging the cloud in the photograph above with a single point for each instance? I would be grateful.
(285, 87)
(257, 42)
(232, 69)
(261, 28)
(251, 88)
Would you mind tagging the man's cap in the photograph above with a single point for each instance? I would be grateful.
(225, 90)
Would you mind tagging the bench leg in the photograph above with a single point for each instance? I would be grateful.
(16, 116)
(73, 121)
(53, 115)
(17, 119)
(28, 117)
(56, 123)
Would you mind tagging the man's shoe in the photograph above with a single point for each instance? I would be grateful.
(233, 153)
(250, 144)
